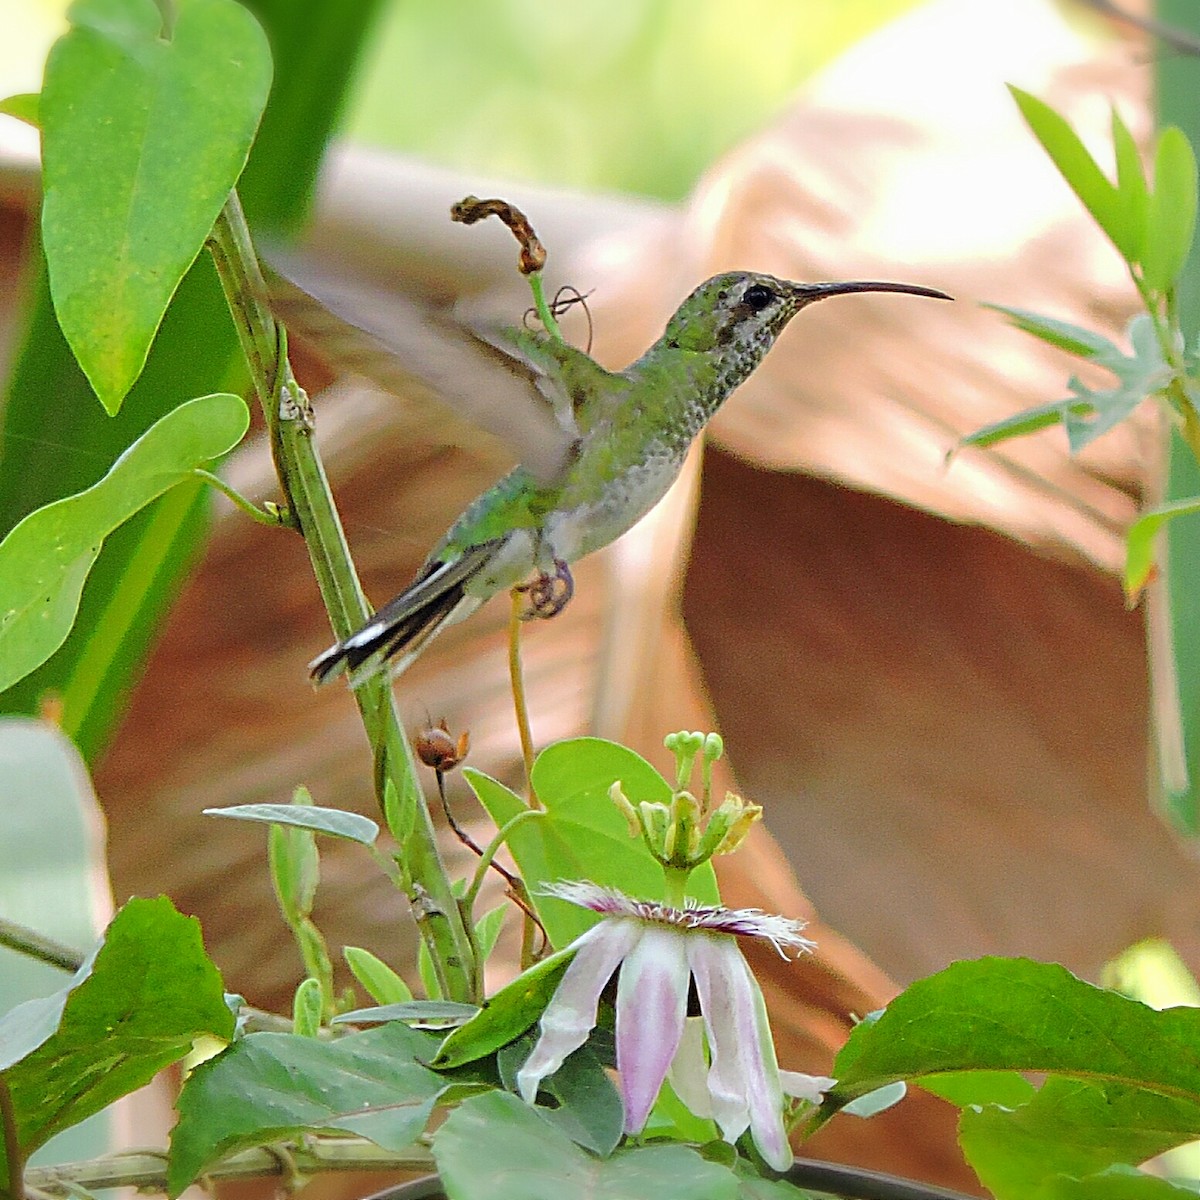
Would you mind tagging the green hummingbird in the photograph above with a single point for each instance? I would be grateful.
(625, 436)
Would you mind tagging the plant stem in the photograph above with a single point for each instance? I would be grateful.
(34, 945)
(309, 501)
(517, 679)
(12, 1144)
(148, 1171)
(271, 515)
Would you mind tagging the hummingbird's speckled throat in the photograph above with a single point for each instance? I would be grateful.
(627, 433)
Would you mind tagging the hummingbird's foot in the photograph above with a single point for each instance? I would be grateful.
(549, 592)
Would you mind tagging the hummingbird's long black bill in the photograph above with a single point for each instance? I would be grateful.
(810, 292)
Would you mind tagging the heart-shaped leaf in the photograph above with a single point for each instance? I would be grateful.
(142, 140)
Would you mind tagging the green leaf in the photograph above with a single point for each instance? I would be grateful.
(448, 1011)
(306, 1008)
(582, 835)
(1071, 1128)
(999, 1014)
(1074, 339)
(1132, 192)
(135, 1008)
(1008, 1088)
(1117, 1183)
(1171, 219)
(142, 140)
(487, 931)
(1022, 423)
(336, 822)
(144, 563)
(1139, 542)
(1079, 169)
(507, 1014)
(1089, 412)
(378, 980)
(588, 1107)
(45, 559)
(272, 1085)
(496, 1145)
(24, 107)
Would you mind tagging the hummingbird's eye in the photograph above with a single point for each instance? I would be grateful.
(758, 296)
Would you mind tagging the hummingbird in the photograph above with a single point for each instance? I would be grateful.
(625, 435)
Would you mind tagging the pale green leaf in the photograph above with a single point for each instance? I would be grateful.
(45, 558)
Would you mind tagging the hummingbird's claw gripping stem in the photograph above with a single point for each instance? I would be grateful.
(549, 592)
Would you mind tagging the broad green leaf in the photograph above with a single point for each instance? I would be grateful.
(588, 1107)
(1079, 169)
(1074, 339)
(134, 1008)
(45, 559)
(1132, 192)
(998, 1014)
(267, 1086)
(335, 822)
(142, 140)
(507, 1014)
(1071, 1128)
(54, 881)
(24, 107)
(1008, 1088)
(1139, 542)
(1172, 214)
(582, 835)
(379, 981)
(1118, 1183)
(496, 1145)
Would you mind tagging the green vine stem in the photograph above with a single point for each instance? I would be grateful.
(146, 1170)
(310, 507)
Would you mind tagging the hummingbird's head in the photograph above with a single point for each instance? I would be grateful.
(737, 316)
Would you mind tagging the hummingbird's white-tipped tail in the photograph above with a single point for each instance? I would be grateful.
(403, 627)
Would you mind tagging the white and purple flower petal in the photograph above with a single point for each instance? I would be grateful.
(743, 1077)
(571, 1014)
(652, 993)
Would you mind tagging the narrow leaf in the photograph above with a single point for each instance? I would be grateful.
(1079, 169)
(1133, 194)
(1074, 339)
(1172, 213)
(336, 822)
(1023, 423)
(410, 1010)
(511, 1011)
(45, 558)
(379, 981)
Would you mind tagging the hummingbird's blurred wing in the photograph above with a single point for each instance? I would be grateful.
(500, 380)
